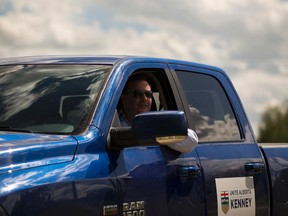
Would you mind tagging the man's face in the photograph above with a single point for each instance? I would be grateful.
(137, 98)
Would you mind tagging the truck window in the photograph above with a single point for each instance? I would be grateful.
(162, 97)
(210, 109)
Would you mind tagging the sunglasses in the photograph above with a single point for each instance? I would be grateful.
(140, 94)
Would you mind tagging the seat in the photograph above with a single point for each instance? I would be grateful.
(74, 108)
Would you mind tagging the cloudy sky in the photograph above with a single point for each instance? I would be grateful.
(248, 39)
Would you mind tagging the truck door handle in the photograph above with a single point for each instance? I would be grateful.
(186, 171)
(254, 167)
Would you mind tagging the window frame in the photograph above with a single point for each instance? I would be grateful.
(229, 92)
(121, 77)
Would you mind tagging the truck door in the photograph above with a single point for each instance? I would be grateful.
(156, 180)
(233, 167)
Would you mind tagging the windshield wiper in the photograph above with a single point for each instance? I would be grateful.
(7, 128)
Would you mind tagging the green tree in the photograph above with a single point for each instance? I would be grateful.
(274, 124)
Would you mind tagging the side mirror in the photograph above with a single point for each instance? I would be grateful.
(150, 128)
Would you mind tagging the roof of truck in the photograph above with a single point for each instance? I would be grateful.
(109, 59)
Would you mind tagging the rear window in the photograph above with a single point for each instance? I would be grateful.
(210, 108)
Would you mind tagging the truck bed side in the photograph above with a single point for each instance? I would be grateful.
(276, 156)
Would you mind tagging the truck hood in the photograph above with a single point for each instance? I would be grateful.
(20, 150)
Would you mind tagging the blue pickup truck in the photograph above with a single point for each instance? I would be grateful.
(64, 152)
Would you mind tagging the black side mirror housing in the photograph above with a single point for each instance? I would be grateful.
(150, 128)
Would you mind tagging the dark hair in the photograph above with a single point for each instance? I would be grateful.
(134, 78)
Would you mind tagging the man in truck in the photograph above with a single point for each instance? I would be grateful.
(137, 97)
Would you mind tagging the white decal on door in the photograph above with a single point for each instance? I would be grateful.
(235, 196)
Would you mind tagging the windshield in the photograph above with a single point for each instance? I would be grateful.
(49, 98)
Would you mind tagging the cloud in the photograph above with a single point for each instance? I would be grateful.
(248, 39)
(259, 90)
